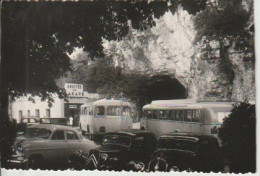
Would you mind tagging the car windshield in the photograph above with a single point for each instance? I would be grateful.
(38, 133)
(117, 139)
(179, 144)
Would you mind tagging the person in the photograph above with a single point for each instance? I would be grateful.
(71, 121)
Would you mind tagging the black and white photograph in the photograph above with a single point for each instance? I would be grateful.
(136, 86)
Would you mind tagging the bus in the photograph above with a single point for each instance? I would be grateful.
(105, 115)
(186, 115)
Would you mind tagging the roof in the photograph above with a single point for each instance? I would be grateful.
(52, 127)
(130, 132)
(197, 136)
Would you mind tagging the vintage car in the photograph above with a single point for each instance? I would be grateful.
(187, 152)
(48, 146)
(123, 150)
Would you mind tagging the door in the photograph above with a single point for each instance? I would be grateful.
(74, 142)
(126, 118)
(58, 148)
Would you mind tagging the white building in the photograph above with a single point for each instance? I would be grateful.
(23, 107)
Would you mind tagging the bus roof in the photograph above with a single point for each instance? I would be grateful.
(170, 106)
(112, 102)
(177, 101)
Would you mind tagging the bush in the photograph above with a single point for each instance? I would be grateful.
(238, 138)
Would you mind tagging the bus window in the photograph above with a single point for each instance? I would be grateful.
(126, 112)
(85, 110)
(188, 115)
(113, 110)
(155, 114)
(222, 115)
(100, 110)
(148, 114)
(179, 115)
(90, 110)
(172, 115)
(164, 114)
(196, 116)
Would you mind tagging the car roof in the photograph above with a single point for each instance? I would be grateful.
(131, 132)
(52, 127)
(196, 136)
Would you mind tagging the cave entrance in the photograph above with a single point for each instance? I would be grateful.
(164, 87)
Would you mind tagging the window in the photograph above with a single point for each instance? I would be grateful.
(148, 114)
(196, 116)
(28, 113)
(85, 111)
(100, 110)
(222, 115)
(20, 115)
(172, 115)
(113, 110)
(58, 135)
(48, 113)
(90, 110)
(155, 114)
(71, 135)
(37, 113)
(164, 114)
(126, 112)
(188, 115)
(139, 142)
(33, 121)
(179, 115)
(25, 120)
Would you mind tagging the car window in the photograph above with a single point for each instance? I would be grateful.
(58, 135)
(139, 141)
(25, 121)
(71, 135)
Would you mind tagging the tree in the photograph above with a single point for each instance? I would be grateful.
(238, 138)
(37, 37)
(224, 28)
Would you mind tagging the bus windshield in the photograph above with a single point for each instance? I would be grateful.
(179, 144)
(100, 110)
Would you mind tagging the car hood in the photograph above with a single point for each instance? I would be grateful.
(112, 148)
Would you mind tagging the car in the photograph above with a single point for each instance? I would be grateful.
(48, 146)
(123, 150)
(187, 152)
(55, 121)
(30, 120)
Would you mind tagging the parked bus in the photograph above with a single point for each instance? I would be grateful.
(105, 115)
(166, 116)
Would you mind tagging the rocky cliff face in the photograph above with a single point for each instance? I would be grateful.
(168, 47)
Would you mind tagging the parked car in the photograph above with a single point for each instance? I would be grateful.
(55, 121)
(123, 150)
(48, 146)
(187, 152)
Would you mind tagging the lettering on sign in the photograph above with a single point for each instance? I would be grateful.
(73, 106)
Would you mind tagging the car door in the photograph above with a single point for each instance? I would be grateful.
(138, 152)
(58, 147)
(74, 142)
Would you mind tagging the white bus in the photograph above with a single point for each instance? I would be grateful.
(105, 115)
(187, 115)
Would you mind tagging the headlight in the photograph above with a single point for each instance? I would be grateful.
(103, 156)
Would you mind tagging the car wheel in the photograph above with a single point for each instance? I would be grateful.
(35, 162)
(137, 166)
(158, 164)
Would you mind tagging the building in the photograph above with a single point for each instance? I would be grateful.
(22, 107)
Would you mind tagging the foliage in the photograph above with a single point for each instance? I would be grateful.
(238, 137)
(225, 28)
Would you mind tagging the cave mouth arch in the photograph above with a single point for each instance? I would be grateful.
(164, 87)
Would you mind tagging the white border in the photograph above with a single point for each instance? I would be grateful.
(5, 172)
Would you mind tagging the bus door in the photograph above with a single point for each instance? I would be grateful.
(179, 125)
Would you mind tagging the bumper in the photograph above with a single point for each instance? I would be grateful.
(17, 164)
